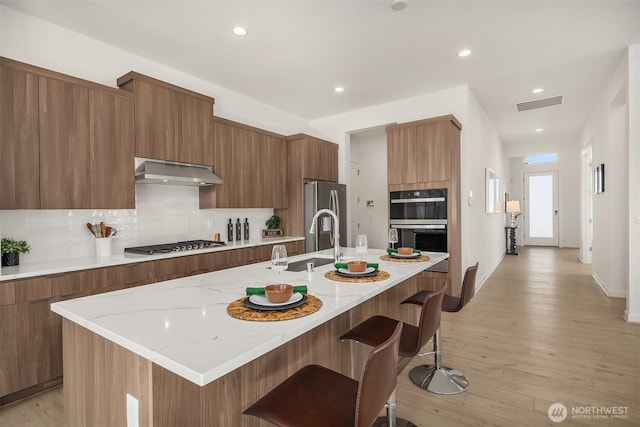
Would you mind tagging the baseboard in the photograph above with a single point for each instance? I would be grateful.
(608, 292)
(480, 283)
(631, 318)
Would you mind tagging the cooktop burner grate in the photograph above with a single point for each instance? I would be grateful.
(173, 247)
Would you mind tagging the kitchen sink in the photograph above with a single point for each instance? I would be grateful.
(302, 264)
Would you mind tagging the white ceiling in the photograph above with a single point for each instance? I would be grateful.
(297, 51)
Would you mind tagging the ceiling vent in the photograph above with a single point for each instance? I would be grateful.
(540, 103)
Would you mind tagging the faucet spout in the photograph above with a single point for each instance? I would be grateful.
(336, 234)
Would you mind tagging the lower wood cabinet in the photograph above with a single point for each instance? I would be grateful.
(31, 334)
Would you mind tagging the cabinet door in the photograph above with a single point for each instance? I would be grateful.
(433, 152)
(156, 125)
(64, 145)
(19, 140)
(401, 156)
(275, 169)
(320, 160)
(194, 130)
(111, 151)
(31, 337)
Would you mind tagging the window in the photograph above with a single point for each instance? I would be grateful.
(541, 158)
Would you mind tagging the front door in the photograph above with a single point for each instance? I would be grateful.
(541, 208)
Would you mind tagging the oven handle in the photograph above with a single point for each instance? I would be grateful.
(416, 221)
(419, 200)
(421, 226)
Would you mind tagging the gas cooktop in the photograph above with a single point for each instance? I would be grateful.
(173, 247)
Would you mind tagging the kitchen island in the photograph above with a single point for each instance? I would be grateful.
(172, 347)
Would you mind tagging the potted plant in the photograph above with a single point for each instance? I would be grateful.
(11, 250)
(272, 227)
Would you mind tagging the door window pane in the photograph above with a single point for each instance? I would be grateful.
(541, 206)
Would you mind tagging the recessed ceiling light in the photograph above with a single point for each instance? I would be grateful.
(398, 4)
(464, 52)
(338, 89)
(539, 130)
(240, 31)
(537, 90)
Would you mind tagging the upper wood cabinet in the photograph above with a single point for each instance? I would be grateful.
(19, 138)
(309, 159)
(421, 151)
(67, 143)
(253, 165)
(171, 123)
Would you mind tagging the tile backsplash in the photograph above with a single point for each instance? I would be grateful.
(164, 213)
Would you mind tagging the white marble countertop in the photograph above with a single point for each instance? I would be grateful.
(85, 263)
(183, 326)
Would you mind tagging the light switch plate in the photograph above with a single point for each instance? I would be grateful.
(133, 412)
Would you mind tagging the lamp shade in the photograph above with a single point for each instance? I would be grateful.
(513, 206)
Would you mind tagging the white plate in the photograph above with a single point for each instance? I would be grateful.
(263, 301)
(351, 273)
(413, 255)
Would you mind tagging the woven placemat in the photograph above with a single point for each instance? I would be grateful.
(239, 311)
(332, 275)
(418, 259)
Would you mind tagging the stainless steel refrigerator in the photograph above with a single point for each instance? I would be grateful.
(324, 195)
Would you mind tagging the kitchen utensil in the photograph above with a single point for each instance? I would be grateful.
(103, 229)
(96, 230)
(90, 227)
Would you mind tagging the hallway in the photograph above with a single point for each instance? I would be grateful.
(539, 331)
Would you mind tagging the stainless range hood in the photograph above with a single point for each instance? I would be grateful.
(151, 171)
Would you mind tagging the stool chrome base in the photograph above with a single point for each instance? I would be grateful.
(441, 380)
(384, 422)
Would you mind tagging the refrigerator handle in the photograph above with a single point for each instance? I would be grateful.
(332, 206)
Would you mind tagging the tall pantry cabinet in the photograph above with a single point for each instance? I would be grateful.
(425, 154)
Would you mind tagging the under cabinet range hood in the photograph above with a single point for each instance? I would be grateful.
(151, 171)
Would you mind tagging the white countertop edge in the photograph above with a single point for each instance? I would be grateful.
(87, 263)
(308, 322)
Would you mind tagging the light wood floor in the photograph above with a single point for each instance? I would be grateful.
(540, 331)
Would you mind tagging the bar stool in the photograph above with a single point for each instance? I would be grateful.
(374, 330)
(437, 378)
(317, 396)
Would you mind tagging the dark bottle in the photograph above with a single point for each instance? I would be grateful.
(238, 229)
(246, 229)
(230, 231)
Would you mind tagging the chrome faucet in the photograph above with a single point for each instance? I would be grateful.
(337, 253)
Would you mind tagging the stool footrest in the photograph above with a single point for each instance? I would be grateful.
(384, 422)
(441, 380)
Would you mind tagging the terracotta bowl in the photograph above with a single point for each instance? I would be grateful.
(278, 293)
(405, 251)
(357, 266)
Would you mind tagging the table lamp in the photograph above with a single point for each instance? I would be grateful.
(513, 207)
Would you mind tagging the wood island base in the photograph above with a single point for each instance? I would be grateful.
(99, 374)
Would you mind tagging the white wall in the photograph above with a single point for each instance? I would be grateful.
(606, 130)
(482, 235)
(369, 152)
(163, 213)
(633, 113)
(568, 167)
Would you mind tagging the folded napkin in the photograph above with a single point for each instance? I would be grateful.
(395, 251)
(260, 291)
(344, 265)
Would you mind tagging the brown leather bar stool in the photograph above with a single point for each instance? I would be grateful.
(374, 330)
(437, 378)
(317, 396)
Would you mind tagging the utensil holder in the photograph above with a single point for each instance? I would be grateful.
(103, 246)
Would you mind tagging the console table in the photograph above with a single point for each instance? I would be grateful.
(510, 238)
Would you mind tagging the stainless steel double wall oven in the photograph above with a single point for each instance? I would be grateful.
(421, 218)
